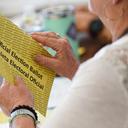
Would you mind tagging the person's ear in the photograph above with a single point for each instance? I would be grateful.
(116, 1)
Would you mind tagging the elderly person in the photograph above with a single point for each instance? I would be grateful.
(98, 97)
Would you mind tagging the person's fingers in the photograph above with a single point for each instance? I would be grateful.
(46, 41)
(51, 63)
(49, 34)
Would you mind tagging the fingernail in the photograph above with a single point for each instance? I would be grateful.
(40, 44)
(33, 35)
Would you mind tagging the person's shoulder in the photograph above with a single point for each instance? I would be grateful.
(92, 66)
(111, 53)
(116, 47)
(94, 61)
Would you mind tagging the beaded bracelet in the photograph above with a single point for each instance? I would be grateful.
(27, 108)
(24, 111)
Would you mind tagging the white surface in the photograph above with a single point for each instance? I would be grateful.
(59, 90)
(10, 7)
(4, 126)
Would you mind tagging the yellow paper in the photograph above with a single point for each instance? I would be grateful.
(17, 51)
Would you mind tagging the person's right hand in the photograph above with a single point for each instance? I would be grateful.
(12, 96)
(64, 63)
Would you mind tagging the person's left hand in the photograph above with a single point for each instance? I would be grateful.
(64, 62)
(12, 96)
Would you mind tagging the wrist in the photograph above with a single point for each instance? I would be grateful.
(23, 121)
(22, 103)
(23, 112)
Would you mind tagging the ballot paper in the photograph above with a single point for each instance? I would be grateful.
(17, 52)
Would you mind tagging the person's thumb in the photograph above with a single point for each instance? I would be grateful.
(19, 81)
(4, 89)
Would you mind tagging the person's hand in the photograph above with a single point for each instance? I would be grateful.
(64, 63)
(12, 96)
